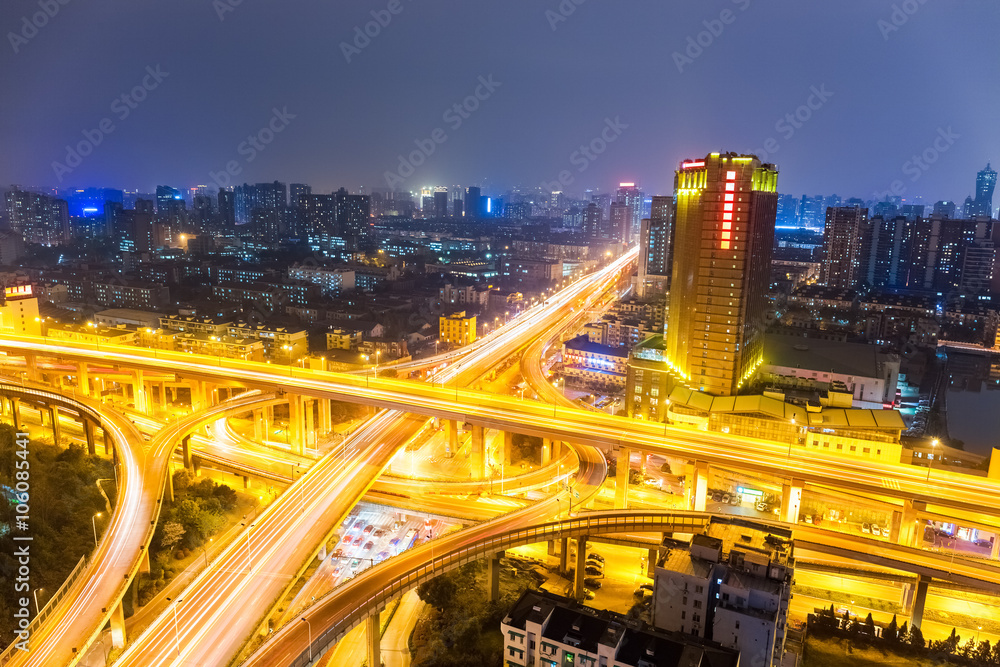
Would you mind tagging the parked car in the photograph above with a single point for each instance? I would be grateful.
(590, 582)
(596, 563)
(588, 594)
(877, 532)
(736, 499)
(646, 587)
(394, 542)
(725, 498)
(594, 556)
(368, 529)
(717, 497)
(382, 555)
(379, 532)
(762, 506)
(866, 528)
(339, 553)
(593, 571)
(358, 524)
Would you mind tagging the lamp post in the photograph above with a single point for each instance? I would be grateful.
(930, 462)
(34, 594)
(309, 626)
(93, 520)
(795, 432)
(249, 558)
(177, 635)
(204, 549)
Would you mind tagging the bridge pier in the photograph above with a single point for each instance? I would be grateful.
(309, 423)
(83, 379)
(621, 478)
(995, 549)
(88, 432)
(170, 482)
(910, 532)
(198, 399)
(791, 501)
(54, 418)
(477, 454)
(325, 418)
(15, 412)
(918, 600)
(546, 451)
(643, 460)
(508, 448)
(563, 555)
(258, 417)
(296, 419)
(373, 634)
(139, 391)
(268, 421)
(118, 626)
(700, 486)
(651, 558)
(31, 367)
(452, 427)
(581, 565)
(494, 575)
(186, 451)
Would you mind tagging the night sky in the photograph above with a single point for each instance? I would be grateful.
(897, 87)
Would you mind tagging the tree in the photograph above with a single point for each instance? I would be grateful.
(891, 632)
(226, 496)
(845, 622)
(916, 637)
(967, 649)
(182, 480)
(870, 626)
(903, 635)
(172, 534)
(439, 592)
(983, 652)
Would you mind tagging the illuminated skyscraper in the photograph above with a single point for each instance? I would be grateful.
(723, 233)
(843, 235)
(630, 195)
(982, 205)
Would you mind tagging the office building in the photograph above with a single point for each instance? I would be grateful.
(630, 195)
(473, 203)
(982, 205)
(842, 238)
(619, 228)
(723, 234)
(441, 203)
(730, 585)
(296, 191)
(19, 312)
(593, 221)
(546, 630)
(944, 209)
(227, 208)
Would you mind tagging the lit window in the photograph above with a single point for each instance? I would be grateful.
(726, 235)
(725, 245)
(730, 175)
(727, 207)
(727, 225)
(730, 187)
(727, 216)
(730, 197)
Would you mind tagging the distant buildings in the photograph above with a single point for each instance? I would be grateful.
(593, 366)
(656, 248)
(982, 205)
(38, 218)
(842, 239)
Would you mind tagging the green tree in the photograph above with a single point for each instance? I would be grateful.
(916, 637)
(891, 632)
(182, 480)
(439, 592)
(172, 534)
(870, 626)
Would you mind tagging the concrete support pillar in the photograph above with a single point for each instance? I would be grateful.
(118, 626)
(452, 427)
(494, 575)
(995, 549)
(791, 501)
(296, 424)
(170, 482)
(918, 601)
(88, 432)
(643, 460)
(186, 451)
(309, 422)
(373, 635)
(477, 454)
(161, 394)
(581, 565)
(268, 422)
(246, 482)
(563, 554)
(911, 531)
(651, 558)
(144, 562)
(173, 394)
(557, 449)
(258, 430)
(54, 418)
(700, 486)
(31, 367)
(15, 413)
(621, 479)
(508, 448)
(325, 417)
(546, 451)
(83, 379)
(198, 399)
(139, 391)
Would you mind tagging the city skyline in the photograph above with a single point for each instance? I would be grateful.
(818, 106)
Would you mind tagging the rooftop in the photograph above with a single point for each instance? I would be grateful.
(827, 356)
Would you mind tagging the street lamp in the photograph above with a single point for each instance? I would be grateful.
(93, 520)
(309, 625)
(930, 463)
(177, 635)
(34, 594)
(249, 558)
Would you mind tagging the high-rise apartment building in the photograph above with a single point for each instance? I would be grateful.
(593, 221)
(845, 228)
(723, 235)
(353, 214)
(631, 196)
(982, 205)
(441, 203)
(619, 228)
(38, 218)
(297, 190)
(655, 245)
